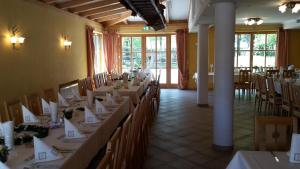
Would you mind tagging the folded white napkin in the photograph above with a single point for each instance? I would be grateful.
(62, 101)
(28, 116)
(109, 100)
(136, 82)
(46, 107)
(100, 108)
(90, 98)
(295, 149)
(116, 95)
(1, 130)
(8, 132)
(3, 166)
(90, 117)
(43, 152)
(54, 111)
(72, 131)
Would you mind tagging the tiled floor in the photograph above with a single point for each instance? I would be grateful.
(181, 137)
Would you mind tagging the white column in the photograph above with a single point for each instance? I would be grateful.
(202, 66)
(223, 82)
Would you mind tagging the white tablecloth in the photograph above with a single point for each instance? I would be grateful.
(134, 92)
(84, 149)
(261, 160)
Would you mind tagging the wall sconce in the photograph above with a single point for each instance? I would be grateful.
(67, 43)
(16, 39)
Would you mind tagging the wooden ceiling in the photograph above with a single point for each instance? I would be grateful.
(106, 12)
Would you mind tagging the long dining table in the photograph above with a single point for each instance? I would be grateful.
(81, 151)
(261, 160)
(133, 91)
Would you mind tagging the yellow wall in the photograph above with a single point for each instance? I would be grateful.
(41, 62)
(192, 58)
(294, 48)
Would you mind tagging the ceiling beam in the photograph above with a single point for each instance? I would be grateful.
(73, 3)
(113, 22)
(108, 13)
(49, 1)
(92, 6)
(101, 10)
(114, 17)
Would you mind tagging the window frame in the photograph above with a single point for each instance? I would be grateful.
(252, 50)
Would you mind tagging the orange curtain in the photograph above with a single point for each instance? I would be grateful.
(111, 46)
(90, 51)
(181, 41)
(282, 48)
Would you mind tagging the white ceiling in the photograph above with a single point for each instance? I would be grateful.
(265, 9)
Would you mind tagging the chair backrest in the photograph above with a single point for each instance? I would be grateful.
(67, 84)
(15, 111)
(121, 158)
(33, 103)
(113, 147)
(244, 76)
(105, 163)
(272, 72)
(273, 132)
(296, 96)
(4, 115)
(50, 95)
(262, 85)
(97, 80)
(271, 87)
(82, 87)
(285, 93)
(89, 83)
(288, 73)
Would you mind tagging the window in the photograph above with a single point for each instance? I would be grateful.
(99, 63)
(174, 64)
(158, 53)
(255, 49)
(131, 53)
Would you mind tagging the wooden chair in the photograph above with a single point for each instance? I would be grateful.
(89, 83)
(244, 83)
(288, 73)
(101, 79)
(263, 94)
(296, 100)
(82, 87)
(274, 133)
(97, 80)
(33, 103)
(271, 73)
(274, 99)
(113, 147)
(121, 160)
(14, 111)
(68, 84)
(106, 161)
(50, 95)
(287, 106)
(4, 115)
(132, 152)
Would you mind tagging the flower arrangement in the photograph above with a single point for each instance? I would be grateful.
(3, 153)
